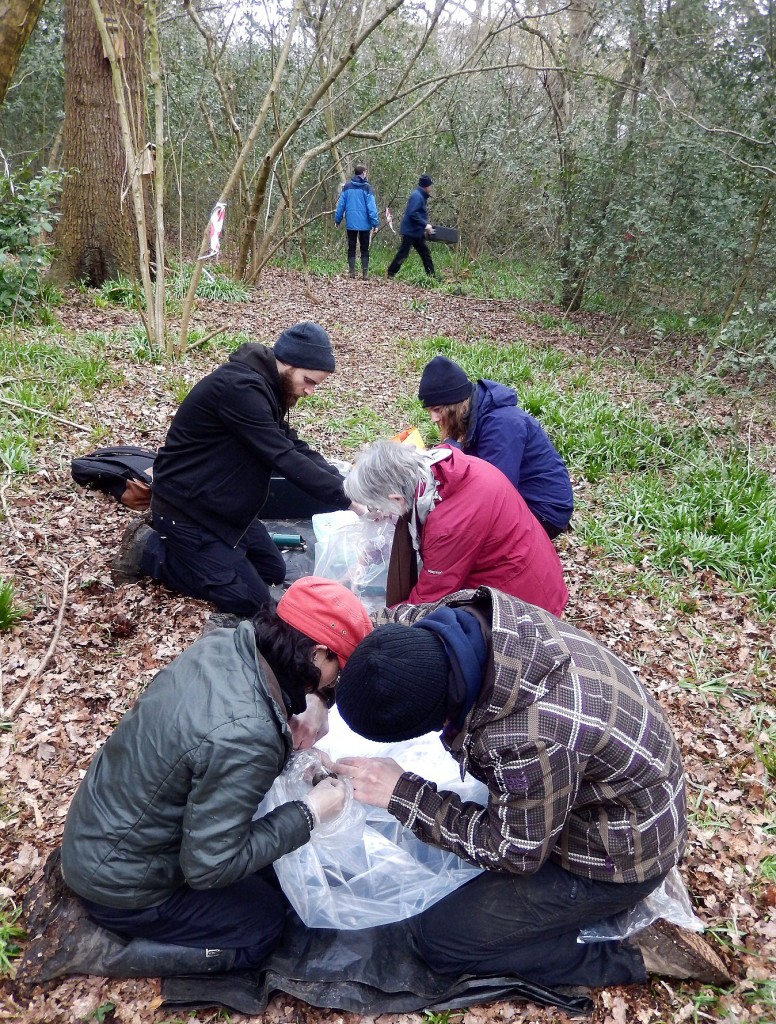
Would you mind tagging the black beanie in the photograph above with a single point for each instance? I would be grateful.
(425, 180)
(307, 346)
(443, 383)
(394, 686)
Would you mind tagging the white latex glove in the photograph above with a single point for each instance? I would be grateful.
(312, 725)
(326, 800)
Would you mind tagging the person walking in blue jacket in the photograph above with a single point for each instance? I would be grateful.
(484, 419)
(357, 204)
(415, 227)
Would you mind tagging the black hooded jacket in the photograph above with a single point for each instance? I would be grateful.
(225, 440)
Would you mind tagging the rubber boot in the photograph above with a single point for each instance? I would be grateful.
(352, 267)
(365, 268)
(74, 944)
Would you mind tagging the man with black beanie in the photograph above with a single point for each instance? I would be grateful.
(212, 475)
(415, 228)
(586, 810)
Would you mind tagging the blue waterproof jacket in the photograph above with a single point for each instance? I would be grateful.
(357, 204)
(508, 437)
(413, 223)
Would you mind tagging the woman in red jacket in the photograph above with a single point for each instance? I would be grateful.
(468, 524)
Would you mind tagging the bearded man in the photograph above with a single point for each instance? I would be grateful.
(212, 476)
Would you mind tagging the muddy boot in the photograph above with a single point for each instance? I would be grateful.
(365, 268)
(125, 567)
(74, 944)
(677, 953)
(44, 894)
(352, 267)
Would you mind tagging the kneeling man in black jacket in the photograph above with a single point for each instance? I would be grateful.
(212, 475)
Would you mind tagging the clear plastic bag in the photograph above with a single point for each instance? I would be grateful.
(354, 553)
(365, 869)
(669, 901)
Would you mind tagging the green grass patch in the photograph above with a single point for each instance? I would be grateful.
(10, 611)
(10, 933)
(44, 376)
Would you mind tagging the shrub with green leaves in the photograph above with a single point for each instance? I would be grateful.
(26, 203)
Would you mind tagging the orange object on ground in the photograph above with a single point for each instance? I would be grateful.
(410, 436)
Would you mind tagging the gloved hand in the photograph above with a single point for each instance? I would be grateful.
(326, 800)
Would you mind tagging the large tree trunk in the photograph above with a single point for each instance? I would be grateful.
(96, 237)
(17, 20)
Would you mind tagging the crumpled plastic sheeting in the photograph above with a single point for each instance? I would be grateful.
(371, 971)
(669, 901)
(365, 869)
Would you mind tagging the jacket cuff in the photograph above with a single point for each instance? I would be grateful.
(407, 796)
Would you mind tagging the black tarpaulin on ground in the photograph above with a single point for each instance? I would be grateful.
(370, 971)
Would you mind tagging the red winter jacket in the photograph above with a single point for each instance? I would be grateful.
(482, 533)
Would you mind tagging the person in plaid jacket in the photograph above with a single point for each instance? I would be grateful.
(586, 812)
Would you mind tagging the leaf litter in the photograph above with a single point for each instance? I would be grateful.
(58, 541)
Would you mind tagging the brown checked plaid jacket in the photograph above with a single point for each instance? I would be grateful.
(579, 760)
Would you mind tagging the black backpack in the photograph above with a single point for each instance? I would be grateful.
(125, 472)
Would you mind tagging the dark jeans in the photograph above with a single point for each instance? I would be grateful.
(362, 237)
(528, 925)
(420, 246)
(188, 558)
(247, 916)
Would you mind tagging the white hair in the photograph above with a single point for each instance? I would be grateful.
(387, 467)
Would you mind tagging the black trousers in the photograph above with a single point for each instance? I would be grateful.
(190, 559)
(528, 925)
(247, 916)
(363, 238)
(421, 247)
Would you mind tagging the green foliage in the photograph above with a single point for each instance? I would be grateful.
(26, 212)
(179, 387)
(43, 377)
(10, 611)
(122, 292)
(215, 283)
(103, 1013)
(10, 933)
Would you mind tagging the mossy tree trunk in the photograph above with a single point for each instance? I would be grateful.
(96, 236)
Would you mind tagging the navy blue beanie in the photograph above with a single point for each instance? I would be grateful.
(307, 346)
(395, 684)
(443, 383)
(425, 180)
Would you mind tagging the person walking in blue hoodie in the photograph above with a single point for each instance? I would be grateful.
(415, 227)
(484, 419)
(357, 204)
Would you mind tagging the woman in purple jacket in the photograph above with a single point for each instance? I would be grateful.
(485, 420)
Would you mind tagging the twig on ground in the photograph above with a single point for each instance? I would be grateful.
(45, 412)
(8, 713)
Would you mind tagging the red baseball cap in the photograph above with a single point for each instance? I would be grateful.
(327, 612)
